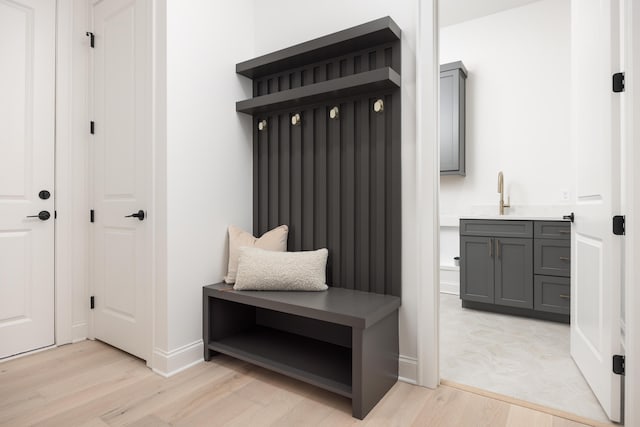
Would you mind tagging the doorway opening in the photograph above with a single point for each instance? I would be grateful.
(504, 310)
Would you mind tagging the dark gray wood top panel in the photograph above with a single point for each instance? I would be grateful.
(372, 33)
(337, 305)
(496, 228)
(552, 230)
(367, 82)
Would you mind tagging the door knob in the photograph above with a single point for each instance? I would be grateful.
(139, 215)
(42, 215)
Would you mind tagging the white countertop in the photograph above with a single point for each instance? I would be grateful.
(515, 217)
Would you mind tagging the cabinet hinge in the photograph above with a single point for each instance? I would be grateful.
(92, 127)
(618, 82)
(92, 216)
(618, 225)
(92, 39)
(618, 364)
(92, 302)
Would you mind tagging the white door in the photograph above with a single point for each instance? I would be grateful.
(27, 84)
(122, 175)
(595, 275)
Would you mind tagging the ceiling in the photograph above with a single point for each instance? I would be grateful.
(457, 11)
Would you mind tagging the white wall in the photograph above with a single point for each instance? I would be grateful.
(208, 162)
(276, 30)
(517, 115)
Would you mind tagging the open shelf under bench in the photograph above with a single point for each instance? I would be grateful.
(342, 340)
(320, 363)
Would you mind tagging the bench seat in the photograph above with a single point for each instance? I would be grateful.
(342, 340)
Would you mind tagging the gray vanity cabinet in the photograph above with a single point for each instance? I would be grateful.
(513, 272)
(452, 118)
(477, 272)
(516, 267)
(497, 270)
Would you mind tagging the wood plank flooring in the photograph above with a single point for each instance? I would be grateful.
(93, 385)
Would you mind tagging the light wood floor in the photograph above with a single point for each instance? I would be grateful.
(92, 384)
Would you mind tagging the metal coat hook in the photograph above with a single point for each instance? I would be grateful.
(295, 119)
(378, 106)
(334, 112)
(262, 125)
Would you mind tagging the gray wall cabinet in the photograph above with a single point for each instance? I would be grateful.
(452, 118)
(516, 267)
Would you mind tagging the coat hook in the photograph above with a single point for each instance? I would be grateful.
(378, 106)
(262, 125)
(333, 113)
(295, 119)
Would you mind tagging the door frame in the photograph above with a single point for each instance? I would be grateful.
(630, 16)
(64, 173)
(427, 205)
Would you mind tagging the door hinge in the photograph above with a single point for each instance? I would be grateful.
(618, 225)
(618, 82)
(92, 215)
(92, 127)
(92, 302)
(92, 39)
(618, 364)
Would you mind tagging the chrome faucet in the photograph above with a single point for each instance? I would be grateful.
(501, 191)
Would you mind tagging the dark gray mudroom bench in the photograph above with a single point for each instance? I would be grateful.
(342, 340)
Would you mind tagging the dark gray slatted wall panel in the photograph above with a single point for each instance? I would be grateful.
(335, 182)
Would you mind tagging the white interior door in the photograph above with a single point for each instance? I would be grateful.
(122, 180)
(596, 268)
(27, 91)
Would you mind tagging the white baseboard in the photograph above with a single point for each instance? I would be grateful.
(408, 369)
(450, 280)
(79, 332)
(168, 363)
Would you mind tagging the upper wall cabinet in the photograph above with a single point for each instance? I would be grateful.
(452, 118)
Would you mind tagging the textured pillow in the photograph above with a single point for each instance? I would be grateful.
(273, 240)
(260, 270)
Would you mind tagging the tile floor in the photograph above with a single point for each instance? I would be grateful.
(524, 358)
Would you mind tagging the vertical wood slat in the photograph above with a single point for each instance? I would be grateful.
(285, 171)
(308, 214)
(362, 194)
(263, 179)
(320, 178)
(378, 202)
(348, 196)
(273, 172)
(334, 189)
(394, 202)
(295, 227)
(256, 176)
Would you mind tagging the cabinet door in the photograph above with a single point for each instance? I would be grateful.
(476, 268)
(449, 122)
(514, 272)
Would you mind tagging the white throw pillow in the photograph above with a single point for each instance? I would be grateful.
(260, 270)
(272, 240)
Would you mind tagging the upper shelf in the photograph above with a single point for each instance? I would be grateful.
(372, 33)
(382, 78)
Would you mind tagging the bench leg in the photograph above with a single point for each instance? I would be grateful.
(374, 364)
